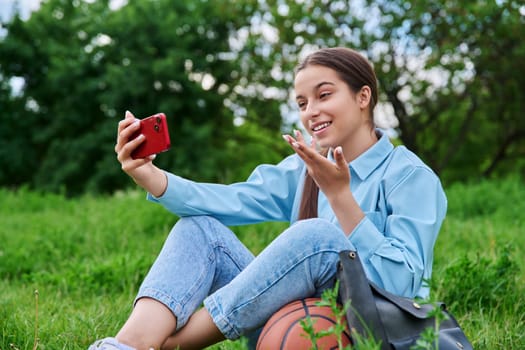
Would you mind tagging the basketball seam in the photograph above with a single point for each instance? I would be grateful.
(304, 305)
(277, 320)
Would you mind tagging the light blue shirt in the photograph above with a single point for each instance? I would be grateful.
(403, 201)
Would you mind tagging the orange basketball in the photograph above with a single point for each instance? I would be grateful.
(283, 330)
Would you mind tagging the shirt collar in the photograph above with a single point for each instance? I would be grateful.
(369, 160)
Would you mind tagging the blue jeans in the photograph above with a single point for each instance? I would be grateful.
(203, 261)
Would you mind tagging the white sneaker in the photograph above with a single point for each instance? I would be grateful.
(109, 344)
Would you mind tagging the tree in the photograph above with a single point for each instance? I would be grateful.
(452, 71)
(83, 64)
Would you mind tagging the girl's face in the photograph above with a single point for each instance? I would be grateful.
(332, 113)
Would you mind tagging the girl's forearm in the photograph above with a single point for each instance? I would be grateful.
(154, 181)
(348, 212)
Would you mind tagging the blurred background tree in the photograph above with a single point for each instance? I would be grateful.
(451, 75)
(83, 64)
(450, 72)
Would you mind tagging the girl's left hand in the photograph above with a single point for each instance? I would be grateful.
(332, 178)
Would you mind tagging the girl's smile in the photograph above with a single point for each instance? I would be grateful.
(331, 112)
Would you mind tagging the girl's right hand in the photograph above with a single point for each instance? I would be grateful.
(125, 145)
(141, 170)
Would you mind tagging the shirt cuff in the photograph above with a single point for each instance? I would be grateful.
(366, 238)
(170, 197)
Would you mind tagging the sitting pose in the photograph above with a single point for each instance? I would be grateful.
(347, 188)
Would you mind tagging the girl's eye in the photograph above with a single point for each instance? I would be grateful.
(301, 104)
(324, 94)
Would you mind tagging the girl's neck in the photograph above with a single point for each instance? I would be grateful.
(359, 144)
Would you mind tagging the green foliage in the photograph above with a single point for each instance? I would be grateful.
(478, 290)
(467, 123)
(481, 282)
(307, 325)
(478, 269)
(86, 256)
(328, 299)
(477, 199)
(436, 68)
(223, 72)
(83, 64)
(429, 339)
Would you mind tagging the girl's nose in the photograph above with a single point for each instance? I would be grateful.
(312, 110)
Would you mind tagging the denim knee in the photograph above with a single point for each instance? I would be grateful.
(199, 256)
(299, 263)
(197, 227)
(320, 232)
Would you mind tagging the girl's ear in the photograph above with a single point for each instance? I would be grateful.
(363, 97)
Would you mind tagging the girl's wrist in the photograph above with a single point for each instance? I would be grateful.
(347, 210)
(153, 180)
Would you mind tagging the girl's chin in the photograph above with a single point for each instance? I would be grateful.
(323, 142)
(323, 145)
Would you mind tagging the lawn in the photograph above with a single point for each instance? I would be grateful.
(69, 268)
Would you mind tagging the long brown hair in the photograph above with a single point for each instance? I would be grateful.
(356, 72)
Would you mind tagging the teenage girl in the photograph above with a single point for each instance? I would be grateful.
(349, 188)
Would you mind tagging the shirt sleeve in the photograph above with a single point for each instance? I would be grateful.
(397, 248)
(267, 195)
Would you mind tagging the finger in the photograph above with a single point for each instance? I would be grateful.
(127, 127)
(309, 151)
(298, 135)
(313, 160)
(128, 115)
(288, 139)
(134, 143)
(128, 119)
(340, 157)
(131, 164)
(124, 123)
(307, 154)
(297, 146)
(133, 126)
(126, 148)
(302, 141)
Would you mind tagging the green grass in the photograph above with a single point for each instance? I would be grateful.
(87, 256)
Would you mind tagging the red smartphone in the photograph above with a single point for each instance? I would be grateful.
(157, 138)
